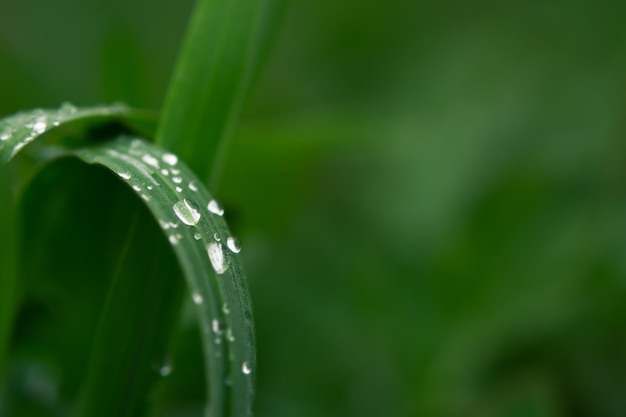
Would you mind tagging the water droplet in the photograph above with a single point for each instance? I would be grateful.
(175, 238)
(197, 298)
(170, 158)
(164, 225)
(179, 190)
(175, 171)
(165, 172)
(149, 187)
(245, 368)
(40, 125)
(177, 180)
(225, 308)
(233, 244)
(215, 208)
(67, 108)
(150, 160)
(136, 188)
(187, 211)
(124, 175)
(197, 236)
(6, 133)
(193, 186)
(166, 368)
(216, 327)
(217, 237)
(229, 335)
(145, 197)
(216, 255)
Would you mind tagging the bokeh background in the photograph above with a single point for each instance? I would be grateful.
(431, 195)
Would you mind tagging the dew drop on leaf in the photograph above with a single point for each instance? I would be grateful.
(177, 180)
(166, 368)
(233, 244)
(245, 368)
(197, 298)
(170, 158)
(124, 175)
(215, 208)
(197, 236)
(150, 160)
(193, 186)
(187, 212)
(216, 255)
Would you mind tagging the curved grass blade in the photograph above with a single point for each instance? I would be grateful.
(16, 131)
(219, 57)
(207, 254)
(20, 129)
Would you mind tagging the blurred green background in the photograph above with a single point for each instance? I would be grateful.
(431, 195)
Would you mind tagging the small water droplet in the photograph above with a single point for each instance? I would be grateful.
(193, 186)
(40, 125)
(124, 175)
(67, 108)
(164, 225)
(197, 298)
(177, 180)
(166, 368)
(233, 244)
(245, 368)
(229, 335)
(216, 327)
(217, 237)
(136, 188)
(6, 133)
(175, 171)
(215, 208)
(175, 238)
(145, 197)
(150, 160)
(165, 172)
(149, 187)
(179, 190)
(187, 211)
(216, 255)
(225, 308)
(170, 158)
(197, 236)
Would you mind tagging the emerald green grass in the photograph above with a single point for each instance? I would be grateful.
(135, 313)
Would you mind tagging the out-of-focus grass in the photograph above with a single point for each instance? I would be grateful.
(444, 230)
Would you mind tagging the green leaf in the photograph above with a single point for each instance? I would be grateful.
(8, 273)
(219, 57)
(20, 129)
(207, 253)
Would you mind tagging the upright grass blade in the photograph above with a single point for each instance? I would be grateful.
(219, 56)
(207, 254)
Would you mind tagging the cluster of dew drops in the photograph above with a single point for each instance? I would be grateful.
(32, 124)
(189, 213)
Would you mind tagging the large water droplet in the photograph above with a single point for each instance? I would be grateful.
(245, 368)
(216, 255)
(233, 244)
(170, 158)
(187, 211)
(215, 208)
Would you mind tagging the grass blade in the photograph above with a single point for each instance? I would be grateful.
(20, 129)
(219, 56)
(207, 255)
